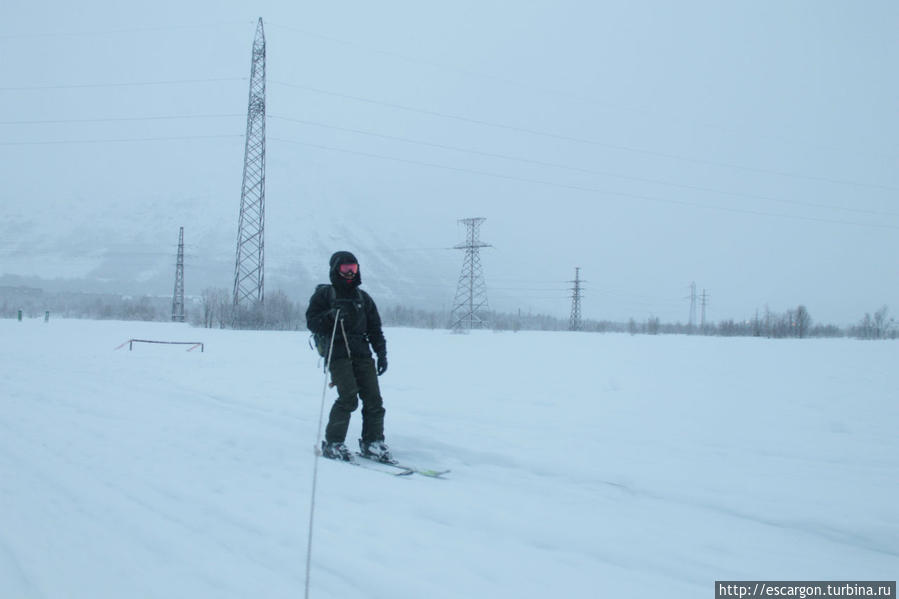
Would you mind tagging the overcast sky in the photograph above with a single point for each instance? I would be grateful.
(750, 147)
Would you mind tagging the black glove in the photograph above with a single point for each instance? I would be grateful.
(382, 364)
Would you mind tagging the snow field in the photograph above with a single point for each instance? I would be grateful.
(582, 465)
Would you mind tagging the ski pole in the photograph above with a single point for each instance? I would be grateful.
(317, 452)
(345, 340)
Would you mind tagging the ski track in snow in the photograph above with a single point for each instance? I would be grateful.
(582, 465)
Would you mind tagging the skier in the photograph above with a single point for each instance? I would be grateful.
(352, 368)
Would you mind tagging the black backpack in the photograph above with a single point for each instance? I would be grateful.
(320, 344)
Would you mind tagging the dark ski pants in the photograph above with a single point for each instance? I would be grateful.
(355, 379)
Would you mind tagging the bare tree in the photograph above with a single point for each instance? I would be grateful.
(632, 326)
(882, 324)
(879, 326)
(803, 322)
(280, 313)
(216, 306)
(207, 303)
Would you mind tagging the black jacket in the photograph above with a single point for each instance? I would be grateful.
(358, 313)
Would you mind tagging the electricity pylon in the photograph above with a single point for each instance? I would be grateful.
(178, 295)
(574, 322)
(470, 306)
(692, 320)
(249, 265)
(705, 301)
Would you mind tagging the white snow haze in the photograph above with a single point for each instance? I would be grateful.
(749, 147)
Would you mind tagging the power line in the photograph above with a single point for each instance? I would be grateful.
(445, 147)
(129, 30)
(585, 188)
(115, 140)
(459, 118)
(106, 254)
(120, 84)
(577, 169)
(427, 144)
(122, 119)
(494, 78)
(580, 140)
(368, 50)
(433, 113)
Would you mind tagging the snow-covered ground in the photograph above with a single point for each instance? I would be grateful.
(583, 465)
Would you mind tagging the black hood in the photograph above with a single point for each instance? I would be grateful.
(343, 257)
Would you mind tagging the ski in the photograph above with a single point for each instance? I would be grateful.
(372, 465)
(390, 469)
(405, 468)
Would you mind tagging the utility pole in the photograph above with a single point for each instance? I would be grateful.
(692, 304)
(249, 265)
(705, 301)
(574, 322)
(178, 295)
(470, 304)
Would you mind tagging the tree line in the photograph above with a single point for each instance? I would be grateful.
(214, 309)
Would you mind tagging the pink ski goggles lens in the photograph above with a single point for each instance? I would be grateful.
(346, 269)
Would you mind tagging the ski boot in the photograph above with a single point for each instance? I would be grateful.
(336, 450)
(376, 450)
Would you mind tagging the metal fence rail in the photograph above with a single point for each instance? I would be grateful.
(194, 344)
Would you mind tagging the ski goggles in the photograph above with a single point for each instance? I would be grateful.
(346, 269)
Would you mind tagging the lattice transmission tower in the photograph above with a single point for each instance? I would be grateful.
(470, 306)
(692, 305)
(249, 266)
(705, 302)
(574, 321)
(178, 295)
